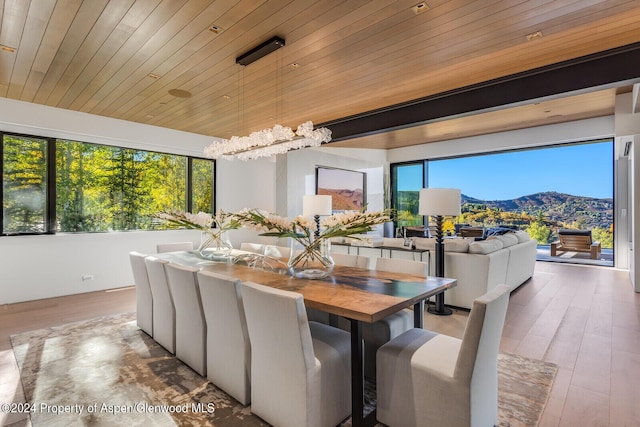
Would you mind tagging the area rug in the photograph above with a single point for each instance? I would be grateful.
(106, 372)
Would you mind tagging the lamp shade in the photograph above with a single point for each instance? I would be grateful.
(316, 204)
(439, 201)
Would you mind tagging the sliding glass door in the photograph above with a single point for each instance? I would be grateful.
(542, 190)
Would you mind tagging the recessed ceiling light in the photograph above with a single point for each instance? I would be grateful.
(179, 93)
(420, 7)
(226, 97)
(294, 65)
(534, 36)
(154, 76)
(7, 48)
(215, 29)
(150, 116)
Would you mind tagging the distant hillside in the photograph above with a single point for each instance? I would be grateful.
(555, 206)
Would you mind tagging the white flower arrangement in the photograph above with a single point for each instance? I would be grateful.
(302, 228)
(202, 221)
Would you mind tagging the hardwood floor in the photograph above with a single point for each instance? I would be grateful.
(584, 319)
(587, 321)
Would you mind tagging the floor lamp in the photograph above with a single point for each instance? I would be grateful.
(316, 205)
(438, 202)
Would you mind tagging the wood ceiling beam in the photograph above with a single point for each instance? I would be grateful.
(609, 67)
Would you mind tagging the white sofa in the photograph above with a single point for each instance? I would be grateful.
(479, 266)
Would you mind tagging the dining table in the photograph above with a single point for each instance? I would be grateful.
(356, 294)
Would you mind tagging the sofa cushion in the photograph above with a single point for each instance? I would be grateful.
(450, 245)
(507, 240)
(485, 247)
(522, 236)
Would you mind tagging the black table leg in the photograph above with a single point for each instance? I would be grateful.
(357, 374)
(357, 379)
(418, 314)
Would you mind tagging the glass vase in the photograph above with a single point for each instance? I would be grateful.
(311, 261)
(215, 246)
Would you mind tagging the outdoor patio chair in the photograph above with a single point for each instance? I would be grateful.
(576, 241)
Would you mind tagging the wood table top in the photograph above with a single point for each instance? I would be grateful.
(355, 293)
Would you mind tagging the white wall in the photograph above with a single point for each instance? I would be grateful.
(41, 120)
(300, 169)
(249, 184)
(627, 122)
(35, 267)
(602, 127)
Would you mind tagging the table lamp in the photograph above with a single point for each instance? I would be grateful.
(316, 205)
(438, 202)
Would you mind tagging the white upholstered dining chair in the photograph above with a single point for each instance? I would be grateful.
(300, 370)
(164, 313)
(228, 346)
(174, 247)
(429, 379)
(350, 260)
(378, 333)
(191, 326)
(144, 298)
(417, 268)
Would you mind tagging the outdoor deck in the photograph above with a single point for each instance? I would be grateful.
(605, 258)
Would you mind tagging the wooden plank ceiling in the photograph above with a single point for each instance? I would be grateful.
(121, 58)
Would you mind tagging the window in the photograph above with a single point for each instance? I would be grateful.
(96, 188)
(24, 184)
(203, 185)
(539, 190)
(407, 179)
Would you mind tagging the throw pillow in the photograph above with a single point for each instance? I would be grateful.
(507, 240)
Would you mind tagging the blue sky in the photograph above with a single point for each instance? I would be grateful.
(580, 170)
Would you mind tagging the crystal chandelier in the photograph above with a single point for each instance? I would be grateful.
(268, 142)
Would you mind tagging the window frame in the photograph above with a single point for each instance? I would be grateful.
(425, 162)
(51, 177)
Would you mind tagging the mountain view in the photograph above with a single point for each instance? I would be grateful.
(554, 207)
(540, 214)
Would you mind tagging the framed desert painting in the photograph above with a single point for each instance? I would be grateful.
(347, 188)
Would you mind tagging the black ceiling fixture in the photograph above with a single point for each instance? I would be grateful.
(258, 52)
